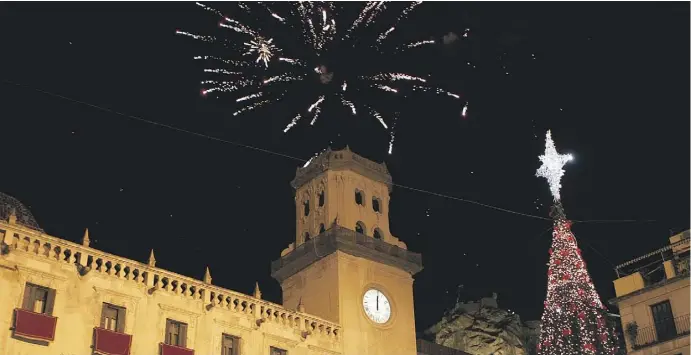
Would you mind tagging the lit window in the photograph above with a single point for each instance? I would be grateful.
(113, 318)
(38, 299)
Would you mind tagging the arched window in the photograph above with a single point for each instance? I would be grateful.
(376, 204)
(359, 198)
(377, 234)
(307, 236)
(321, 199)
(307, 208)
(321, 228)
(360, 227)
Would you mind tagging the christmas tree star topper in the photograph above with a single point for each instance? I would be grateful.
(552, 166)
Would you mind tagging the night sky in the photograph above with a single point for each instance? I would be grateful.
(610, 80)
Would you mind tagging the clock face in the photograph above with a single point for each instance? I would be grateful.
(377, 306)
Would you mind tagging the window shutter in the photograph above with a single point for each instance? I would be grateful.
(168, 334)
(183, 335)
(236, 346)
(28, 298)
(50, 302)
(121, 319)
(104, 308)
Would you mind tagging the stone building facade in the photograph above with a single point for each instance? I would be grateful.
(653, 296)
(347, 285)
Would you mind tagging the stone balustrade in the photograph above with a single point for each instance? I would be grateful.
(88, 260)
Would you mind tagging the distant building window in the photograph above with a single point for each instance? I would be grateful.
(376, 204)
(38, 299)
(307, 236)
(664, 321)
(360, 227)
(358, 197)
(377, 234)
(176, 333)
(113, 318)
(230, 345)
(321, 199)
(307, 207)
(277, 351)
(321, 228)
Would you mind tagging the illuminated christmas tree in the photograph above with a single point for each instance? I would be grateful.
(574, 320)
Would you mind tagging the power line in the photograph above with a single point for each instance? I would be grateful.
(137, 118)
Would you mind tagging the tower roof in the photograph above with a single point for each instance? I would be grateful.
(10, 205)
(343, 159)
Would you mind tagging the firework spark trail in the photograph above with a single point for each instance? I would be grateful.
(394, 77)
(209, 8)
(316, 115)
(419, 43)
(385, 88)
(237, 27)
(363, 14)
(235, 63)
(316, 104)
(281, 78)
(196, 36)
(249, 97)
(379, 8)
(292, 123)
(400, 18)
(437, 91)
(379, 117)
(464, 112)
(349, 104)
(222, 71)
(344, 86)
(292, 61)
(252, 106)
(393, 132)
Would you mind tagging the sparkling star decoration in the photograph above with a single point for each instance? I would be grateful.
(552, 166)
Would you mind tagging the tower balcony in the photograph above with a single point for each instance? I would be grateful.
(350, 242)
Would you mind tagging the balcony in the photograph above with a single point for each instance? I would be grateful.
(107, 342)
(660, 332)
(175, 350)
(34, 326)
(349, 242)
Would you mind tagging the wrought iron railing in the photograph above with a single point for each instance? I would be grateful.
(662, 331)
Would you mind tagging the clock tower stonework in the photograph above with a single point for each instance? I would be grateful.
(345, 265)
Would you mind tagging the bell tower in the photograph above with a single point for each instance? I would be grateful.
(344, 264)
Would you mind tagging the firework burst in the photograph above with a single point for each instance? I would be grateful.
(277, 49)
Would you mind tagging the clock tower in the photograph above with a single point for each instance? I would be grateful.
(345, 265)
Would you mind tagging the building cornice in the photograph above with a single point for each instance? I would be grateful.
(350, 242)
(615, 301)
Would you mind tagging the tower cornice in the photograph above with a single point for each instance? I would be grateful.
(343, 159)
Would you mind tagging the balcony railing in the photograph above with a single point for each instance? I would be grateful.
(662, 331)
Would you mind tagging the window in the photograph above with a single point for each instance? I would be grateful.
(176, 333)
(113, 318)
(277, 351)
(358, 197)
(664, 321)
(307, 236)
(321, 228)
(377, 234)
(360, 227)
(307, 208)
(321, 199)
(230, 345)
(38, 299)
(375, 204)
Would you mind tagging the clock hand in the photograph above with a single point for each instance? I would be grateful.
(377, 301)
